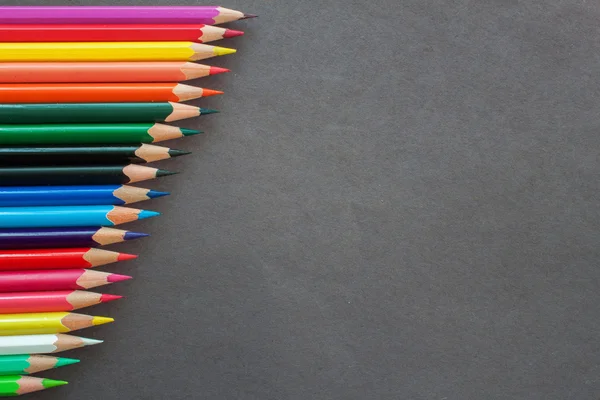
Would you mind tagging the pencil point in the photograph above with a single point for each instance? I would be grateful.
(218, 70)
(147, 214)
(208, 111)
(177, 153)
(229, 33)
(223, 51)
(105, 298)
(61, 362)
(90, 342)
(101, 320)
(164, 172)
(50, 383)
(248, 16)
(134, 235)
(153, 194)
(189, 132)
(125, 257)
(210, 92)
(112, 278)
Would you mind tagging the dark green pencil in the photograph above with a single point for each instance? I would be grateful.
(74, 113)
(88, 155)
(94, 175)
(77, 134)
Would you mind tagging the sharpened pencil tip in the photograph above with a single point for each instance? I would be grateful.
(218, 70)
(223, 51)
(102, 320)
(204, 111)
(61, 362)
(112, 278)
(134, 235)
(105, 298)
(229, 33)
(50, 383)
(248, 16)
(210, 92)
(164, 172)
(189, 132)
(90, 342)
(147, 214)
(125, 257)
(153, 194)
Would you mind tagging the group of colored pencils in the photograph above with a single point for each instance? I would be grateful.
(85, 92)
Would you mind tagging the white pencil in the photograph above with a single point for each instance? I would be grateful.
(42, 344)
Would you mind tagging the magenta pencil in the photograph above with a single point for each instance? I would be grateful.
(209, 15)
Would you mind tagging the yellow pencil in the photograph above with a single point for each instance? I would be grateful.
(109, 51)
(46, 323)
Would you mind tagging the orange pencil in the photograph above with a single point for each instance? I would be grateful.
(81, 72)
(100, 92)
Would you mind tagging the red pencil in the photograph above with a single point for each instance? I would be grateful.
(114, 33)
(55, 279)
(56, 301)
(11, 260)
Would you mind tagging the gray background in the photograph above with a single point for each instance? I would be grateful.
(398, 201)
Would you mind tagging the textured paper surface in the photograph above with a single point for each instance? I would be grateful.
(399, 200)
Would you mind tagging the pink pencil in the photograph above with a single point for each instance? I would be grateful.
(209, 15)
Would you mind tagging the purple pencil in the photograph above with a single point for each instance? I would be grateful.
(41, 238)
(209, 15)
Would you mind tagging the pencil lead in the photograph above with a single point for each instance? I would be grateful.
(134, 235)
(153, 194)
(125, 257)
(177, 153)
(164, 172)
(229, 33)
(189, 132)
(90, 342)
(210, 92)
(248, 16)
(61, 362)
(50, 383)
(101, 320)
(204, 111)
(147, 214)
(223, 51)
(112, 278)
(105, 298)
(218, 70)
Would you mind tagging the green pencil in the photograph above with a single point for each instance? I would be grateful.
(16, 385)
(74, 113)
(75, 134)
(25, 364)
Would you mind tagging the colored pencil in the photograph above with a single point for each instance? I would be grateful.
(42, 344)
(17, 385)
(49, 217)
(115, 33)
(94, 175)
(73, 113)
(43, 323)
(100, 92)
(53, 301)
(37, 238)
(74, 257)
(210, 15)
(80, 134)
(26, 364)
(55, 279)
(109, 51)
(111, 72)
(20, 196)
(85, 155)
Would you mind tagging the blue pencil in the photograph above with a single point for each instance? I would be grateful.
(47, 217)
(19, 196)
